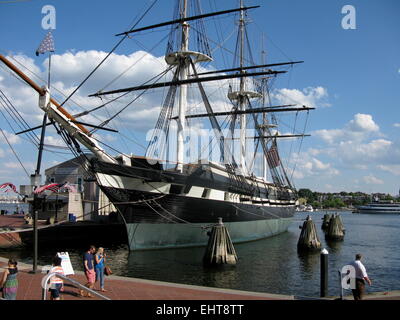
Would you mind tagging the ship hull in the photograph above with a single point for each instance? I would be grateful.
(145, 236)
(169, 209)
(155, 221)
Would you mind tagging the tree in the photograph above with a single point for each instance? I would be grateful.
(306, 193)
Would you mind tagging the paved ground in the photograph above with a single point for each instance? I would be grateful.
(121, 288)
(14, 221)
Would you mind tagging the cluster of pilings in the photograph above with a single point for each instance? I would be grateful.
(332, 226)
(219, 250)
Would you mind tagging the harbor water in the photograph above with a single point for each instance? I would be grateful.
(271, 265)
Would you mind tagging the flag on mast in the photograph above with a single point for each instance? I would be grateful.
(273, 156)
(47, 44)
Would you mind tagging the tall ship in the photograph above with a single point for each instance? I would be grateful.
(168, 197)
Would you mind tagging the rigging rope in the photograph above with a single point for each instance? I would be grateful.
(106, 57)
(12, 149)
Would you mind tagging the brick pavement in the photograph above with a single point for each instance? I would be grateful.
(122, 288)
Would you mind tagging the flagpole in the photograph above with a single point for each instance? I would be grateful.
(37, 174)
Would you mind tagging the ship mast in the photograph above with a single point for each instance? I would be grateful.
(242, 104)
(183, 59)
(183, 89)
(243, 95)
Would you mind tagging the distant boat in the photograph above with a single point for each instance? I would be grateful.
(380, 207)
(305, 208)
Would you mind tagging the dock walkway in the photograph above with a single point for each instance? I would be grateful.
(123, 288)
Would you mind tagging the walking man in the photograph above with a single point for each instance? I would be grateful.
(361, 277)
(88, 267)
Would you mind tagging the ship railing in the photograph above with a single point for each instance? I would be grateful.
(45, 285)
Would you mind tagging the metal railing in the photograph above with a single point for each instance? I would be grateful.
(47, 277)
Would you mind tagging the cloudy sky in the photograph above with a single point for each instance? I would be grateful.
(351, 77)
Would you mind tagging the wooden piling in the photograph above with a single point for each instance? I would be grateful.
(308, 239)
(220, 248)
(336, 229)
(325, 222)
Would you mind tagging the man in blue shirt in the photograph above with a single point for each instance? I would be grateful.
(88, 267)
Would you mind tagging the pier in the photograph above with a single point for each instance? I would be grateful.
(124, 288)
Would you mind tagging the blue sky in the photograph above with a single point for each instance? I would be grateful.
(351, 77)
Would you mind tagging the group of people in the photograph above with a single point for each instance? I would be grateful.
(93, 265)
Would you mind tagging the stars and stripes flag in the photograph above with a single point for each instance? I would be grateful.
(55, 187)
(69, 187)
(273, 156)
(47, 44)
(8, 184)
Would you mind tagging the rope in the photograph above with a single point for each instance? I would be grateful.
(106, 57)
(12, 149)
(258, 215)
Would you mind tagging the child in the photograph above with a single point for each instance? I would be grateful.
(9, 282)
(56, 283)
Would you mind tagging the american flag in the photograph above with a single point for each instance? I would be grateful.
(54, 187)
(273, 156)
(47, 44)
(69, 187)
(8, 184)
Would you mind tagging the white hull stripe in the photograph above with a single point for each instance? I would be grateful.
(120, 182)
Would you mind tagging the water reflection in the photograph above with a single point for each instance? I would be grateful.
(220, 277)
(309, 263)
(272, 265)
(334, 246)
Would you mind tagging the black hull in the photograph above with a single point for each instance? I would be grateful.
(146, 207)
(164, 209)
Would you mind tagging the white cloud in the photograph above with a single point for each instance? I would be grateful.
(394, 169)
(11, 137)
(311, 97)
(359, 128)
(396, 125)
(364, 123)
(54, 141)
(307, 165)
(370, 179)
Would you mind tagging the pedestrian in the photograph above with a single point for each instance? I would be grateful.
(88, 267)
(56, 283)
(361, 277)
(9, 281)
(100, 259)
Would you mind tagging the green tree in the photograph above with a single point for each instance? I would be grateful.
(306, 193)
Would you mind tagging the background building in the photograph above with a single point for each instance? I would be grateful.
(87, 203)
